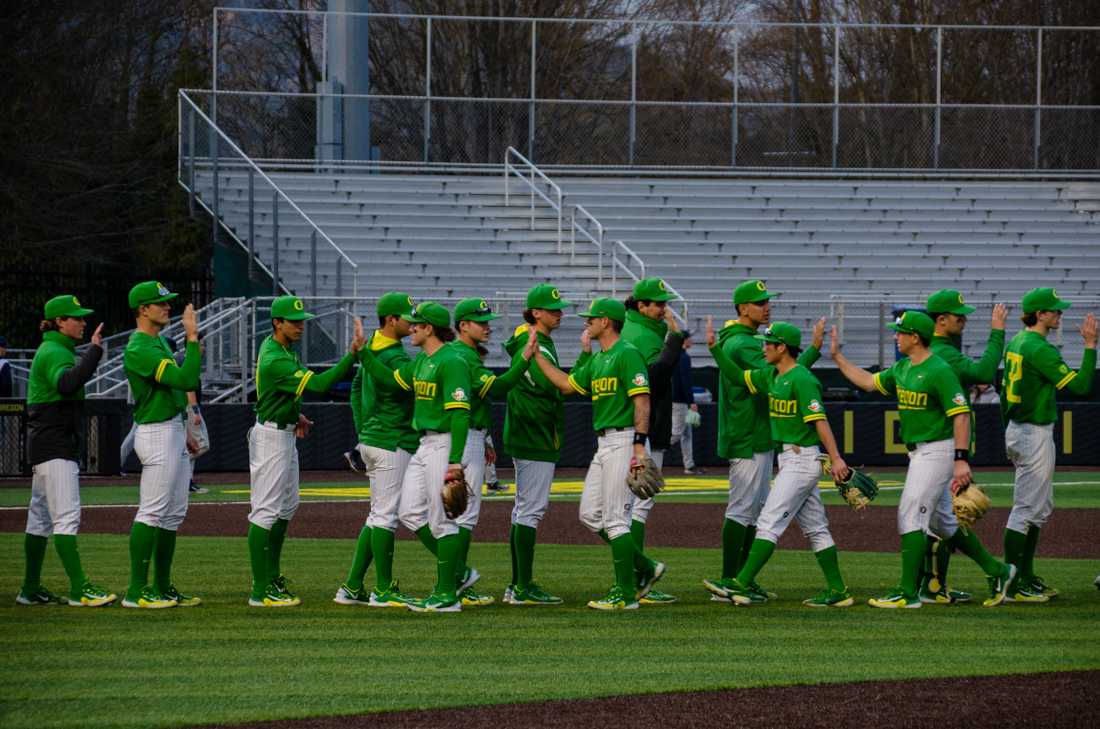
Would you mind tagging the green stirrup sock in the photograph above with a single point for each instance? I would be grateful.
(928, 564)
(424, 534)
(637, 531)
(913, 545)
(759, 555)
(449, 547)
(275, 551)
(830, 565)
(515, 557)
(162, 559)
(733, 541)
(750, 537)
(34, 547)
(1027, 566)
(968, 543)
(943, 557)
(1015, 544)
(143, 539)
(622, 553)
(382, 545)
(362, 559)
(465, 536)
(65, 544)
(259, 541)
(525, 544)
(602, 534)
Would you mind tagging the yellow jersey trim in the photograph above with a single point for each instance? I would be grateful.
(638, 391)
(811, 418)
(380, 341)
(302, 385)
(457, 406)
(577, 387)
(957, 411)
(748, 382)
(397, 376)
(878, 385)
(485, 388)
(1065, 381)
(164, 365)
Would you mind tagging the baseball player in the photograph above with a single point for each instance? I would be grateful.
(935, 425)
(472, 317)
(383, 412)
(617, 380)
(159, 390)
(440, 381)
(281, 381)
(534, 425)
(949, 311)
(799, 427)
(652, 329)
(1034, 370)
(55, 409)
(744, 431)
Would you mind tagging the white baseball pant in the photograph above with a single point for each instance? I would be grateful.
(682, 434)
(641, 508)
(533, 482)
(1030, 447)
(386, 471)
(273, 472)
(165, 473)
(795, 495)
(55, 498)
(606, 499)
(473, 458)
(931, 465)
(422, 488)
(749, 481)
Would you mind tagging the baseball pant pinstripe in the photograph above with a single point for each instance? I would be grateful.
(642, 507)
(474, 459)
(1030, 447)
(931, 465)
(606, 499)
(422, 488)
(55, 498)
(165, 473)
(533, 481)
(386, 471)
(795, 496)
(273, 474)
(749, 481)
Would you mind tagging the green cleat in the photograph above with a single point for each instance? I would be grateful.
(656, 597)
(1037, 585)
(274, 598)
(649, 578)
(722, 588)
(149, 599)
(998, 586)
(767, 594)
(830, 598)
(471, 598)
(615, 599)
(895, 599)
(741, 594)
(437, 603)
(349, 596)
(182, 600)
(38, 596)
(392, 597)
(92, 596)
(533, 595)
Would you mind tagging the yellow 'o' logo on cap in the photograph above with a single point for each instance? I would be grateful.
(75, 302)
(298, 305)
(661, 285)
(761, 286)
(409, 299)
(961, 299)
(1054, 293)
(483, 305)
(554, 294)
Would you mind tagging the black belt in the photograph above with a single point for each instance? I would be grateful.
(606, 431)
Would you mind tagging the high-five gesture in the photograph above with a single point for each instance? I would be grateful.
(190, 322)
(97, 336)
(357, 341)
(1088, 330)
(711, 339)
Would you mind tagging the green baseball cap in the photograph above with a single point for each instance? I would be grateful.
(782, 333)
(149, 292)
(752, 291)
(652, 289)
(546, 296)
(474, 310)
(1044, 299)
(429, 312)
(948, 301)
(914, 322)
(611, 308)
(290, 308)
(395, 303)
(64, 305)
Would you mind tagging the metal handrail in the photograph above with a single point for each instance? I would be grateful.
(575, 227)
(535, 172)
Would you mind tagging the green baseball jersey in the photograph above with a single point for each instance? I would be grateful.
(647, 335)
(969, 371)
(1034, 370)
(794, 403)
(54, 356)
(382, 409)
(929, 396)
(486, 384)
(281, 380)
(612, 379)
(55, 397)
(744, 425)
(159, 387)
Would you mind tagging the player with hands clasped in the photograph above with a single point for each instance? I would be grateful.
(440, 381)
(55, 408)
(1034, 371)
(935, 425)
(281, 381)
(617, 380)
(800, 428)
(159, 388)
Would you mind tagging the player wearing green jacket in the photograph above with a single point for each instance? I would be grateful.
(281, 381)
(1034, 372)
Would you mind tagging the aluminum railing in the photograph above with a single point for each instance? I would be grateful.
(533, 186)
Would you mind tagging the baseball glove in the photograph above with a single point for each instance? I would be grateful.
(198, 433)
(456, 494)
(644, 478)
(693, 418)
(969, 505)
(858, 489)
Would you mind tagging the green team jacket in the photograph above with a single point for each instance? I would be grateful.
(744, 425)
(382, 409)
(969, 371)
(485, 384)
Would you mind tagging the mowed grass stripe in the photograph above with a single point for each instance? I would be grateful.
(224, 662)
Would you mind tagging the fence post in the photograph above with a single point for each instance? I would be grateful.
(939, 100)
(836, 91)
(215, 202)
(428, 93)
(531, 103)
(881, 334)
(313, 263)
(633, 91)
(242, 351)
(1038, 96)
(736, 92)
(251, 226)
(275, 243)
(191, 158)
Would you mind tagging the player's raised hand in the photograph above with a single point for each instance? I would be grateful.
(1000, 316)
(711, 339)
(834, 342)
(357, 340)
(532, 343)
(586, 341)
(670, 319)
(190, 322)
(97, 335)
(819, 333)
(1088, 330)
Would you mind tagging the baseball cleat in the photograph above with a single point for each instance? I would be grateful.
(149, 598)
(656, 597)
(720, 588)
(496, 487)
(742, 594)
(897, 599)
(718, 598)
(437, 603)
(38, 596)
(349, 596)
(649, 578)
(274, 598)
(615, 599)
(92, 596)
(830, 598)
(471, 598)
(467, 579)
(1097, 582)
(1026, 593)
(393, 597)
(182, 600)
(533, 595)
(998, 586)
(350, 458)
(509, 595)
(1037, 585)
(281, 583)
(767, 594)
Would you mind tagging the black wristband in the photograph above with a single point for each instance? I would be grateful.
(640, 438)
(962, 454)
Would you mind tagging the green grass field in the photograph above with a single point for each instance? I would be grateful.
(225, 662)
